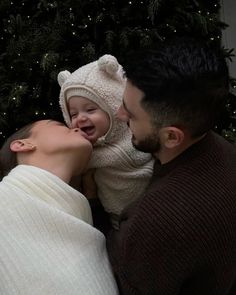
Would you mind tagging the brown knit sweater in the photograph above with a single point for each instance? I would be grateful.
(180, 238)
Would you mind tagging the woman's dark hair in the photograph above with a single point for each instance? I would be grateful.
(8, 158)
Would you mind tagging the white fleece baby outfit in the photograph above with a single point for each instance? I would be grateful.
(122, 172)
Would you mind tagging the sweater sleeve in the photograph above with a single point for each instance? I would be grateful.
(170, 250)
(145, 256)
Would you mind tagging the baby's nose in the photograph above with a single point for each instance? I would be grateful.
(82, 117)
(76, 122)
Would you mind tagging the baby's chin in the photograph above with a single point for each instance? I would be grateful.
(91, 138)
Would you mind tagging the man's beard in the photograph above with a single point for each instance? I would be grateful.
(150, 144)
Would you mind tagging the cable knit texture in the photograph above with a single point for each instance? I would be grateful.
(180, 238)
(123, 172)
(47, 243)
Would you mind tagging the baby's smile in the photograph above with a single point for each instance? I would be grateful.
(89, 130)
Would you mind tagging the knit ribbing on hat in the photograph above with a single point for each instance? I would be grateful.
(85, 92)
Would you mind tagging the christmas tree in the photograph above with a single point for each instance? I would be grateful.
(40, 38)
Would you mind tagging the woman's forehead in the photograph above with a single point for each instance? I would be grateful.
(42, 124)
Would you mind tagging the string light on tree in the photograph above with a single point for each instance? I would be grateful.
(73, 22)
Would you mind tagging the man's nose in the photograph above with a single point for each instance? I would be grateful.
(122, 114)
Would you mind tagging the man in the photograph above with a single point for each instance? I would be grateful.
(180, 237)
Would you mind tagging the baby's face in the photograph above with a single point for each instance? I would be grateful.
(89, 117)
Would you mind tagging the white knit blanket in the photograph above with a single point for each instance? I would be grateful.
(47, 243)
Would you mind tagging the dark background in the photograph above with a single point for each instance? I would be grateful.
(40, 38)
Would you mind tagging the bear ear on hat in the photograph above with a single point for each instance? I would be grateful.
(62, 77)
(109, 64)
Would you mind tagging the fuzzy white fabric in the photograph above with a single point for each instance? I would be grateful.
(101, 81)
(122, 173)
(47, 243)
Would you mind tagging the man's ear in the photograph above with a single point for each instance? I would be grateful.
(21, 145)
(172, 137)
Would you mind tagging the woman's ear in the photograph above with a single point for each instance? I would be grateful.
(21, 145)
(172, 137)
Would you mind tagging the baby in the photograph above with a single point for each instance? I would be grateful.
(89, 99)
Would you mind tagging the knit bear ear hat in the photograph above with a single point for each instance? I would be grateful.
(102, 82)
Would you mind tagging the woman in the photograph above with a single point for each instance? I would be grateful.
(47, 242)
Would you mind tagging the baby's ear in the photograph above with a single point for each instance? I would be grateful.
(62, 77)
(21, 145)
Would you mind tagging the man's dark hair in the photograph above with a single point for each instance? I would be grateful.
(8, 158)
(185, 82)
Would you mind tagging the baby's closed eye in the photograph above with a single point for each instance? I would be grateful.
(73, 115)
(92, 109)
